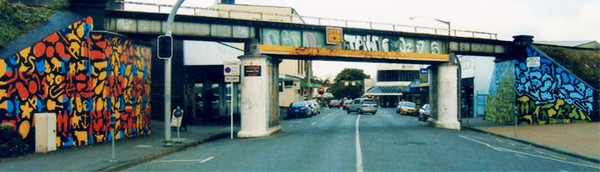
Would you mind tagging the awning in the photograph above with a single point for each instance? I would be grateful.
(285, 77)
(418, 86)
(384, 91)
(310, 85)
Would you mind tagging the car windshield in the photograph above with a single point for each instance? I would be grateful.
(298, 104)
(408, 104)
(368, 102)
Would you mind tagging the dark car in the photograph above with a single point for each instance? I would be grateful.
(406, 108)
(299, 109)
(424, 112)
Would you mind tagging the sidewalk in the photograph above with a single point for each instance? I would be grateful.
(581, 139)
(128, 152)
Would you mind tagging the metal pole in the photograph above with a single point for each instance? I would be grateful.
(112, 122)
(231, 113)
(178, 129)
(167, 83)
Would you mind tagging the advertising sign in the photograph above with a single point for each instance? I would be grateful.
(252, 70)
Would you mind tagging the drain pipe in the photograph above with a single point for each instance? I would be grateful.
(459, 87)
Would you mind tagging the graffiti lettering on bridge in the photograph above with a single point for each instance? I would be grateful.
(391, 44)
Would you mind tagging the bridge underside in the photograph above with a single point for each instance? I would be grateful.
(260, 117)
(267, 42)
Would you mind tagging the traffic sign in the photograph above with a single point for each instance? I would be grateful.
(232, 78)
(231, 68)
(533, 61)
(334, 35)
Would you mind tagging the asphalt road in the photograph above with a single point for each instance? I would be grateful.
(336, 141)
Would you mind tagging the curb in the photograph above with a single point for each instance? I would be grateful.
(148, 158)
(537, 145)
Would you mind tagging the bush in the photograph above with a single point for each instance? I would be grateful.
(11, 142)
(17, 19)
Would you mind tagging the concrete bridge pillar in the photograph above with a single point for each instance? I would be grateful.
(443, 96)
(259, 103)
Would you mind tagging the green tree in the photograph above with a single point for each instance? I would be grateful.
(326, 82)
(343, 87)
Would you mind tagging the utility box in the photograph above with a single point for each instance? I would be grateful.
(45, 132)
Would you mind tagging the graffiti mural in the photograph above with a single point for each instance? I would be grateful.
(316, 39)
(500, 103)
(83, 78)
(390, 44)
(549, 94)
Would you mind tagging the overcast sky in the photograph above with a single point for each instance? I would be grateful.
(546, 20)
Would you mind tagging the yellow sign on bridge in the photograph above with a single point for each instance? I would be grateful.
(328, 52)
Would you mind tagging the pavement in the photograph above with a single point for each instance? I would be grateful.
(580, 140)
(128, 152)
(577, 139)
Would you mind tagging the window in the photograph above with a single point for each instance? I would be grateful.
(397, 75)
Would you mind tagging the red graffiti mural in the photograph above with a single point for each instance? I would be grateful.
(83, 78)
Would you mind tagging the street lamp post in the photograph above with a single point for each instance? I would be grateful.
(456, 60)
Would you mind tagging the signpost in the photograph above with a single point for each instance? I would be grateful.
(231, 70)
(176, 120)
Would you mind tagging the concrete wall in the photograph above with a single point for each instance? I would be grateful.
(83, 77)
(547, 94)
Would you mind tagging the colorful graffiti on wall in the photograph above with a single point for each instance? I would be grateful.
(83, 77)
(391, 44)
(500, 105)
(548, 94)
(363, 42)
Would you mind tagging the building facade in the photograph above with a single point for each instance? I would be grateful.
(393, 83)
(211, 96)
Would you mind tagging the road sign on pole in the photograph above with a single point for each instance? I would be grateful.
(232, 79)
(231, 68)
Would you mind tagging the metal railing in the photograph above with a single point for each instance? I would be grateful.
(320, 21)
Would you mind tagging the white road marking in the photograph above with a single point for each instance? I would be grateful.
(501, 149)
(323, 117)
(359, 163)
(187, 160)
(314, 123)
(207, 159)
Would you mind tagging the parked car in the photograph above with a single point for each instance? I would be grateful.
(424, 112)
(334, 103)
(346, 103)
(362, 105)
(314, 106)
(406, 108)
(299, 109)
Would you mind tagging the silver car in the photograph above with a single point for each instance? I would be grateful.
(362, 105)
(424, 112)
(314, 106)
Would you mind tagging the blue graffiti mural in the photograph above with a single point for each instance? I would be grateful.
(549, 82)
